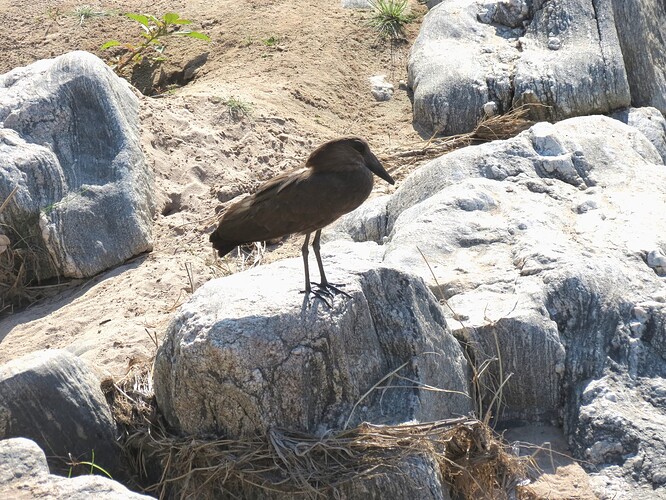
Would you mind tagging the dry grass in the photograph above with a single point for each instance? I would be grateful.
(17, 259)
(471, 458)
(401, 163)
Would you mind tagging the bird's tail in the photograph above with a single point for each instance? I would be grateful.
(222, 246)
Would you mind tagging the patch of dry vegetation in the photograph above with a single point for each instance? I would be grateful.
(402, 162)
(471, 457)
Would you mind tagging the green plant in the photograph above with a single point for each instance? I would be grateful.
(83, 12)
(237, 107)
(154, 32)
(73, 462)
(271, 41)
(389, 17)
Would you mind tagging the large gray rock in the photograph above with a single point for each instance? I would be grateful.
(246, 352)
(69, 140)
(641, 29)
(52, 398)
(24, 474)
(549, 248)
(474, 57)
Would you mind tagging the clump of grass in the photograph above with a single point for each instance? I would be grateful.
(75, 463)
(271, 41)
(84, 12)
(238, 108)
(389, 17)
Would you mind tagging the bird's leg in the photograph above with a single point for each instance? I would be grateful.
(305, 251)
(308, 289)
(324, 284)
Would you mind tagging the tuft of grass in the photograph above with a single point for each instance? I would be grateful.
(84, 12)
(389, 18)
(271, 41)
(73, 462)
(238, 108)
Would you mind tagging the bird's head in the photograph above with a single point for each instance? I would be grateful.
(371, 161)
(345, 152)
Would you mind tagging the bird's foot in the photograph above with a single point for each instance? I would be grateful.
(331, 289)
(325, 291)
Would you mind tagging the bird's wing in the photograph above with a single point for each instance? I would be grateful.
(296, 202)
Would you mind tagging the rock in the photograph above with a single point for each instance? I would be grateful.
(548, 248)
(382, 90)
(69, 139)
(640, 30)
(246, 352)
(650, 122)
(52, 398)
(620, 430)
(24, 473)
(419, 479)
(563, 55)
(366, 223)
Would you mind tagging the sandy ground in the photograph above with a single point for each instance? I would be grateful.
(302, 69)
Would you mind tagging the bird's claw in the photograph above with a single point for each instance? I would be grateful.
(325, 291)
(331, 289)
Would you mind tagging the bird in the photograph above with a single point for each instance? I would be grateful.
(337, 178)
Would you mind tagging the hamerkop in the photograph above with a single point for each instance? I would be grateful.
(336, 179)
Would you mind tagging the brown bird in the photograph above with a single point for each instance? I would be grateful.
(336, 179)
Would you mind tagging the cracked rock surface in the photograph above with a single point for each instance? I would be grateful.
(472, 56)
(70, 145)
(248, 352)
(548, 249)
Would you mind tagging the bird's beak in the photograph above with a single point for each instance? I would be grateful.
(377, 168)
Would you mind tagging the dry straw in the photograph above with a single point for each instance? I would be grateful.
(400, 163)
(470, 457)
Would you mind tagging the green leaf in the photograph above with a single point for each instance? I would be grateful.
(109, 44)
(193, 34)
(182, 21)
(170, 17)
(139, 18)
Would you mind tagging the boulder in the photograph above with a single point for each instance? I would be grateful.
(650, 122)
(70, 145)
(52, 398)
(548, 249)
(472, 56)
(619, 429)
(248, 352)
(24, 473)
(641, 32)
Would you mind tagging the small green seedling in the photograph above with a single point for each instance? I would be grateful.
(154, 32)
(73, 462)
(271, 41)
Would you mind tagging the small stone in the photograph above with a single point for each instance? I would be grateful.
(554, 43)
(381, 89)
(657, 261)
(490, 108)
